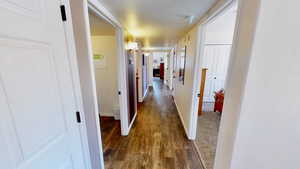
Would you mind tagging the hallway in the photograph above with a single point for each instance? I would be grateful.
(157, 139)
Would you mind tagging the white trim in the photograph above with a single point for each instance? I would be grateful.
(196, 84)
(133, 120)
(141, 99)
(70, 43)
(94, 91)
(181, 119)
(105, 13)
(101, 11)
(146, 93)
(123, 87)
(199, 155)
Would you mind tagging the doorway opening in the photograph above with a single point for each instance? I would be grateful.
(105, 60)
(159, 64)
(216, 46)
(142, 76)
(103, 68)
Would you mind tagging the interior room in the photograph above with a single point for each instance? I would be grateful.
(216, 56)
(104, 46)
(159, 59)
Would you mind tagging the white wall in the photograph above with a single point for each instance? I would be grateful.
(80, 20)
(107, 77)
(170, 71)
(218, 41)
(220, 30)
(159, 57)
(139, 70)
(150, 69)
(237, 77)
(166, 69)
(268, 134)
(183, 93)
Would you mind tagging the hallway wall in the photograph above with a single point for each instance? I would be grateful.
(150, 69)
(268, 133)
(107, 75)
(183, 92)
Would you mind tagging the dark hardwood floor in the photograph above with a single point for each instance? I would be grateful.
(109, 129)
(157, 139)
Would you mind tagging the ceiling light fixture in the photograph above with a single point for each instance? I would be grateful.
(132, 46)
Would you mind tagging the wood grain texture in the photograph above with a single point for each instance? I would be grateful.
(201, 94)
(157, 139)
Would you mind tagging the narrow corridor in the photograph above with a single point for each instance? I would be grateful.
(157, 139)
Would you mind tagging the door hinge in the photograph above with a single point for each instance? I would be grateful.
(78, 117)
(119, 92)
(63, 13)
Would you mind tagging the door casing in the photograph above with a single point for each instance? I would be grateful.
(92, 120)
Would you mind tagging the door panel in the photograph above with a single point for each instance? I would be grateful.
(132, 88)
(38, 127)
(216, 59)
(34, 62)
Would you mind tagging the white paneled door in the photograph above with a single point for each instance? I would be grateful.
(216, 59)
(38, 127)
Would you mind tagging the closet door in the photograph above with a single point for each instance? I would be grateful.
(216, 59)
(38, 127)
(132, 94)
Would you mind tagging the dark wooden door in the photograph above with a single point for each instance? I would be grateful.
(162, 70)
(131, 87)
(201, 94)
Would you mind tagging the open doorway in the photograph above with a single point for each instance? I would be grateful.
(105, 59)
(159, 62)
(103, 67)
(215, 55)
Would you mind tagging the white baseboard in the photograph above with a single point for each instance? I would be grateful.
(141, 99)
(199, 155)
(146, 93)
(181, 119)
(105, 114)
(133, 119)
(115, 116)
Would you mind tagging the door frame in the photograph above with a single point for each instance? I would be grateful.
(102, 12)
(199, 60)
(72, 56)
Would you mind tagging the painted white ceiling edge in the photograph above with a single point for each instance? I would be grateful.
(158, 23)
(98, 6)
(217, 7)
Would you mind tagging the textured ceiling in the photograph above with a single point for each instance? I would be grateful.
(157, 23)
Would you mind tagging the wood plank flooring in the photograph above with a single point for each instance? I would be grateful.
(157, 139)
